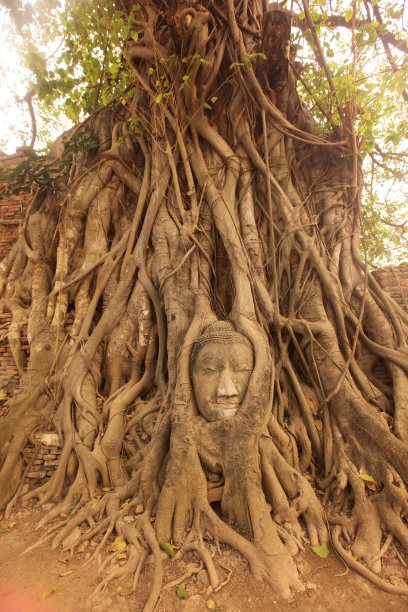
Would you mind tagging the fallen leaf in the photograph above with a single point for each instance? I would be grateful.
(181, 592)
(168, 548)
(119, 543)
(369, 481)
(2, 395)
(321, 551)
(65, 561)
(311, 585)
(366, 477)
(211, 605)
(106, 489)
(121, 556)
(82, 547)
(12, 524)
(318, 425)
(48, 592)
(67, 573)
(125, 591)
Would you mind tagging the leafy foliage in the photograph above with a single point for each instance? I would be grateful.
(369, 75)
(35, 171)
(76, 52)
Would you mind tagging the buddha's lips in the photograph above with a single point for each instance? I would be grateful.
(228, 409)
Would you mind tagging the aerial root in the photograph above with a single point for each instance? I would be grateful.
(292, 543)
(194, 542)
(118, 572)
(48, 535)
(136, 548)
(384, 548)
(192, 569)
(351, 561)
(104, 539)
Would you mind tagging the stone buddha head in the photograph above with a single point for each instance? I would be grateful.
(221, 361)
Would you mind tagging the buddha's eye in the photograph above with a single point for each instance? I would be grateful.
(209, 370)
(243, 369)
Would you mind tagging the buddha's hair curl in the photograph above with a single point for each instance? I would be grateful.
(220, 332)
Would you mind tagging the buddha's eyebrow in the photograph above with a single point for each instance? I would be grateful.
(241, 362)
(208, 359)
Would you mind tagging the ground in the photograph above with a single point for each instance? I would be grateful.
(33, 581)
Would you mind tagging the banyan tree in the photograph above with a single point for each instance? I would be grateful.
(204, 335)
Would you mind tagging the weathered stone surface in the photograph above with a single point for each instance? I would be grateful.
(39, 474)
(48, 438)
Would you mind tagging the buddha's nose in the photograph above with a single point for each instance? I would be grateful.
(226, 386)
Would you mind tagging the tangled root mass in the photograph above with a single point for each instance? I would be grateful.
(209, 196)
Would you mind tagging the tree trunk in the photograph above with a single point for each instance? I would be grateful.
(201, 327)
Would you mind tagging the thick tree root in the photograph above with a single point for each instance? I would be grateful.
(364, 571)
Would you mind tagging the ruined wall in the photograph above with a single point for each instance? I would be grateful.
(12, 211)
(12, 208)
(394, 279)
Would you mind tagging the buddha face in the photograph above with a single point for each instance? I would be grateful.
(220, 375)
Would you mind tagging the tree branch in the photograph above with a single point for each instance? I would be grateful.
(338, 21)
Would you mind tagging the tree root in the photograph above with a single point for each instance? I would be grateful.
(364, 571)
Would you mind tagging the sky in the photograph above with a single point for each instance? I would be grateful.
(14, 79)
(15, 123)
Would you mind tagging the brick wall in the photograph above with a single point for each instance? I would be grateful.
(394, 280)
(9, 376)
(41, 458)
(12, 208)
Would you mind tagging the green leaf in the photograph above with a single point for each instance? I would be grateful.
(125, 591)
(321, 551)
(168, 548)
(181, 592)
(158, 98)
(348, 16)
(135, 36)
